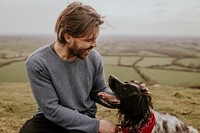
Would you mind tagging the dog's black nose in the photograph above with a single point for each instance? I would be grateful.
(111, 76)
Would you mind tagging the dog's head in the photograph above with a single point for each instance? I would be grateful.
(135, 101)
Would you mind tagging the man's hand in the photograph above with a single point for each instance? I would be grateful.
(108, 127)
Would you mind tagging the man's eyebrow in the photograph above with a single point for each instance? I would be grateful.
(91, 37)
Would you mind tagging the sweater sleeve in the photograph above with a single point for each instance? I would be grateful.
(99, 84)
(48, 101)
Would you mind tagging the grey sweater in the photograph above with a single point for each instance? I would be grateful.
(66, 92)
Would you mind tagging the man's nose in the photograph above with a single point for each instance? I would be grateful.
(94, 43)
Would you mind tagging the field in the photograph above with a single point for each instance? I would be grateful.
(170, 66)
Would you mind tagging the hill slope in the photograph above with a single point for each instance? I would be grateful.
(17, 105)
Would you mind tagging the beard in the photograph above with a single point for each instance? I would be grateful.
(78, 52)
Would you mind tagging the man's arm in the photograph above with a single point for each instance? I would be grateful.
(48, 101)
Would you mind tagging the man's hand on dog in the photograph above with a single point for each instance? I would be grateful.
(108, 127)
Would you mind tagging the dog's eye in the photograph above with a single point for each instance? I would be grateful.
(125, 87)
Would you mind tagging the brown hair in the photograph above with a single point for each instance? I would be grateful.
(78, 20)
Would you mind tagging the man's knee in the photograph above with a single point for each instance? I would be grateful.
(37, 125)
(26, 128)
(40, 124)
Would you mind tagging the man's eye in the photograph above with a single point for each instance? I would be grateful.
(89, 41)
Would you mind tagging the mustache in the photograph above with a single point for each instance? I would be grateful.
(89, 48)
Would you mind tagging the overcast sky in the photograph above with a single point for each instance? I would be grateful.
(137, 17)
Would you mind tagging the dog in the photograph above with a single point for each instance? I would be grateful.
(135, 109)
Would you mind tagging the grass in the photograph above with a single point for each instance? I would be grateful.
(124, 73)
(14, 72)
(111, 60)
(173, 78)
(17, 105)
(148, 53)
(177, 67)
(149, 61)
(128, 60)
(190, 61)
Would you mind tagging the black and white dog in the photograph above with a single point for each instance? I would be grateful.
(136, 114)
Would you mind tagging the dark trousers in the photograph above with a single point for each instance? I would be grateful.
(39, 124)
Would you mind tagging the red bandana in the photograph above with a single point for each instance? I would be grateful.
(145, 128)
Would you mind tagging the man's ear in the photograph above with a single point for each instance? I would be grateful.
(68, 38)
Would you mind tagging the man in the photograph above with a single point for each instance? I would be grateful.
(67, 75)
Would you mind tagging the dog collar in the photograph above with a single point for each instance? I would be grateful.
(145, 128)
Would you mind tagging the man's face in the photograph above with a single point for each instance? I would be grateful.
(81, 47)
